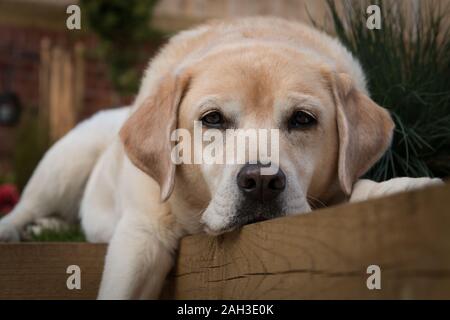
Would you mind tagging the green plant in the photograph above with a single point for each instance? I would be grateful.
(72, 234)
(408, 72)
(123, 28)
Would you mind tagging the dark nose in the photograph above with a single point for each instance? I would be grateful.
(260, 187)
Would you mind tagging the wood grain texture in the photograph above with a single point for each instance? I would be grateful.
(38, 270)
(320, 255)
(326, 254)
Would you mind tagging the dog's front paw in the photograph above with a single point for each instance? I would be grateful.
(9, 233)
(366, 189)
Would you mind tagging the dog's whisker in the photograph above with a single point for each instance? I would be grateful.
(315, 203)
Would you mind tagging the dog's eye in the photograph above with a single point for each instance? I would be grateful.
(213, 119)
(301, 120)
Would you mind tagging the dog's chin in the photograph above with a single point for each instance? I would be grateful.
(237, 222)
(217, 223)
(218, 232)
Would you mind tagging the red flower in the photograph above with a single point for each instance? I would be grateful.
(9, 196)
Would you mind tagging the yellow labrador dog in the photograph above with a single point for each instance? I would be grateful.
(117, 172)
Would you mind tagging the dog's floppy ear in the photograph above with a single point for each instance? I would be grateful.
(365, 130)
(146, 133)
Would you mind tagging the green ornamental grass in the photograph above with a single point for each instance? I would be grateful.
(72, 234)
(408, 72)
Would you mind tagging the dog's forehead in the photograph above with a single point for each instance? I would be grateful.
(256, 66)
(254, 77)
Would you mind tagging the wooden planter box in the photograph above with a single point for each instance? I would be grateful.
(316, 256)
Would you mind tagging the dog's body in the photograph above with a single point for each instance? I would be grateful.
(255, 73)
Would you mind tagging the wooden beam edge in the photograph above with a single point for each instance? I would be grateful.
(320, 255)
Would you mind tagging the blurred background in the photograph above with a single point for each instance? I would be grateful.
(51, 77)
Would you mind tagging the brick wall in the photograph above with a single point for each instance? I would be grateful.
(19, 67)
(19, 72)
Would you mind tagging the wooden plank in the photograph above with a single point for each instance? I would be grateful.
(321, 255)
(38, 270)
(326, 254)
(79, 72)
(62, 103)
(44, 82)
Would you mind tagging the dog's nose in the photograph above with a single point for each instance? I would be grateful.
(260, 187)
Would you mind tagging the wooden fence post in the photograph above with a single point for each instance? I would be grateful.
(61, 87)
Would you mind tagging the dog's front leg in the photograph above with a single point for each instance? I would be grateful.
(138, 259)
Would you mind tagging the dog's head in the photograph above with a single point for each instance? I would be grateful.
(329, 134)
